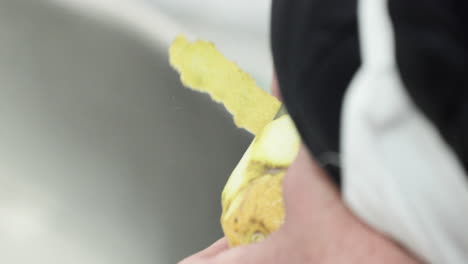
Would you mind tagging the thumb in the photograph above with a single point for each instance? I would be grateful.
(217, 247)
(258, 253)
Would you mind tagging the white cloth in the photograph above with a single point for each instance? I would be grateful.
(399, 175)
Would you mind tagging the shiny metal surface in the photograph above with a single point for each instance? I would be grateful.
(104, 157)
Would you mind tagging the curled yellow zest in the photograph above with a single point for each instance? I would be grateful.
(203, 68)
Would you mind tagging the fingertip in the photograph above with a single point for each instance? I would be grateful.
(249, 254)
(215, 248)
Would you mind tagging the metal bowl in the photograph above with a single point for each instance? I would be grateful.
(104, 156)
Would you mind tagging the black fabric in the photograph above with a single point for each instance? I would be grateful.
(316, 54)
(432, 56)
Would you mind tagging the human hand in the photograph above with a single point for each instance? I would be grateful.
(318, 229)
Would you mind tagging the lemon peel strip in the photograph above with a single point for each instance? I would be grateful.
(203, 68)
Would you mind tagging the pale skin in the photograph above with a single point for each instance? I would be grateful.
(319, 228)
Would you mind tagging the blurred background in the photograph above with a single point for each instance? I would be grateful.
(104, 156)
(239, 28)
